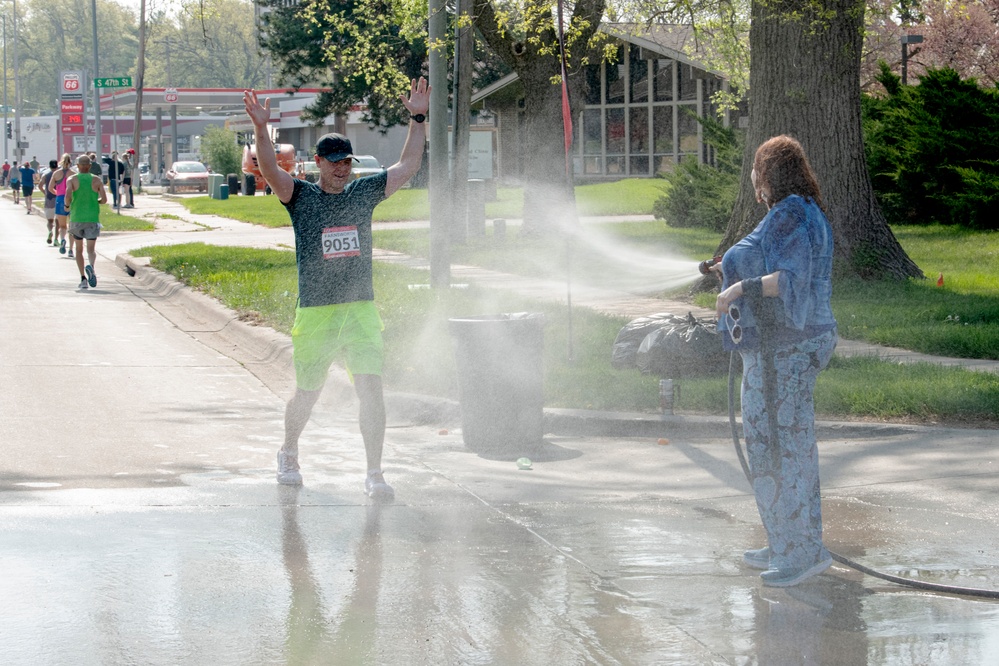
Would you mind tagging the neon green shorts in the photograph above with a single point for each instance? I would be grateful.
(351, 332)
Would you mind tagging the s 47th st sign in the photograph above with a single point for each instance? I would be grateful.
(114, 82)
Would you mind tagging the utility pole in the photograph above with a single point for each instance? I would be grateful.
(461, 105)
(906, 40)
(140, 71)
(5, 153)
(440, 217)
(17, 95)
(97, 94)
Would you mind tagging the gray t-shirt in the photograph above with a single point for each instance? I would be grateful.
(333, 240)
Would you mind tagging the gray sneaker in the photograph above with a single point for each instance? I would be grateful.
(91, 276)
(791, 577)
(758, 559)
(287, 469)
(83, 283)
(376, 488)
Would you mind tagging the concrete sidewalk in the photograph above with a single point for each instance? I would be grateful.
(142, 523)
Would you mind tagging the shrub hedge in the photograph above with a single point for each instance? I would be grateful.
(932, 152)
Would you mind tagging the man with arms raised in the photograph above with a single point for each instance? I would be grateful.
(336, 317)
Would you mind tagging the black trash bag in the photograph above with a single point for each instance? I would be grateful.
(691, 348)
(630, 338)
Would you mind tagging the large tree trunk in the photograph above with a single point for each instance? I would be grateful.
(805, 82)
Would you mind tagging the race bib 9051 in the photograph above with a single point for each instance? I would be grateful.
(340, 242)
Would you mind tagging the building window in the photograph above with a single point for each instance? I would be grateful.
(615, 131)
(641, 115)
(638, 130)
(615, 79)
(688, 126)
(663, 79)
(639, 166)
(662, 130)
(592, 132)
(615, 166)
(592, 73)
(686, 83)
(638, 74)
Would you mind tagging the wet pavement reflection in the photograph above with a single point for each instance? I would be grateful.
(235, 570)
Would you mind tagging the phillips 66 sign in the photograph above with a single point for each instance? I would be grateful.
(71, 82)
(71, 86)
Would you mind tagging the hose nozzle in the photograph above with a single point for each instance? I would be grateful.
(705, 266)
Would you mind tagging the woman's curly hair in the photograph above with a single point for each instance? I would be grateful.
(783, 168)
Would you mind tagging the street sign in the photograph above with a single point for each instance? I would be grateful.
(113, 82)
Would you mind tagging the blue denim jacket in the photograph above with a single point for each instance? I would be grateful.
(794, 238)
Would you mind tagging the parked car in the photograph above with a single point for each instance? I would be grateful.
(308, 170)
(366, 165)
(187, 175)
(144, 173)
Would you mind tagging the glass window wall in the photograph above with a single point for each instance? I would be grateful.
(640, 117)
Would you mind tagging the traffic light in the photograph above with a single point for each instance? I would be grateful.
(10, 131)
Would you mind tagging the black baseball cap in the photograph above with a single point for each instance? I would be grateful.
(334, 147)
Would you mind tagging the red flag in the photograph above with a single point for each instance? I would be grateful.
(940, 280)
(566, 111)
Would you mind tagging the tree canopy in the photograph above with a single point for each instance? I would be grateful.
(207, 43)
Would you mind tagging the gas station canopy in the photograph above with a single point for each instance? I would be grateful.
(205, 98)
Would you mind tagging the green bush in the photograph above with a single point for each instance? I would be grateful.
(221, 151)
(933, 150)
(701, 195)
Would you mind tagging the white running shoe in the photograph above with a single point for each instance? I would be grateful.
(287, 469)
(376, 488)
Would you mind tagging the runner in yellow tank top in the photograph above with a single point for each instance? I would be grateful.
(84, 194)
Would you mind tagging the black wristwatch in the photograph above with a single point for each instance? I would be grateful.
(417, 117)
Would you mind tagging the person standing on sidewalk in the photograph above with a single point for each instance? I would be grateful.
(57, 186)
(50, 199)
(15, 184)
(84, 194)
(6, 173)
(95, 168)
(336, 316)
(28, 176)
(775, 310)
(115, 170)
(126, 178)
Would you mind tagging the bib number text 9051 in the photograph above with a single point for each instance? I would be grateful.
(340, 242)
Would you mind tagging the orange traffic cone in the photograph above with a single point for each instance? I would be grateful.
(940, 280)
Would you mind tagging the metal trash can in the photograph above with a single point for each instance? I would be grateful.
(500, 381)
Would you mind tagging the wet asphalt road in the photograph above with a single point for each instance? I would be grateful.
(140, 522)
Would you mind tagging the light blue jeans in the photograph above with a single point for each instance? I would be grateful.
(786, 475)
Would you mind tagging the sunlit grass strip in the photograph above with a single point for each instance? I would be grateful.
(263, 284)
(112, 221)
(633, 196)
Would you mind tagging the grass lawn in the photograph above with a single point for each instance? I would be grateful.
(112, 221)
(419, 356)
(633, 196)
